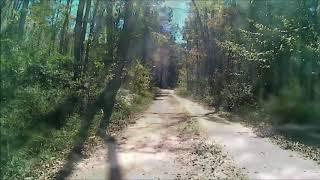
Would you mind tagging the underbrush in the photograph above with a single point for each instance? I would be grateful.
(293, 106)
(41, 109)
(44, 151)
(26, 135)
(126, 107)
(189, 128)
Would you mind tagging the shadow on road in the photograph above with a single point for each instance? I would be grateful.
(211, 116)
(76, 154)
(159, 95)
(305, 134)
(115, 171)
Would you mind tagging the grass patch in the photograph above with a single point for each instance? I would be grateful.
(189, 128)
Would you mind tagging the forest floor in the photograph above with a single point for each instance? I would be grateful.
(176, 138)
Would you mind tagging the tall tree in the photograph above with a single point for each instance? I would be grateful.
(91, 34)
(83, 33)
(110, 30)
(204, 34)
(23, 16)
(78, 41)
(63, 46)
(114, 84)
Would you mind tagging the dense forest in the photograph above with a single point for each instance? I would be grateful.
(72, 68)
(261, 54)
(62, 65)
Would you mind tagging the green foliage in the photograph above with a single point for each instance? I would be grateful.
(42, 100)
(291, 106)
(140, 79)
(124, 101)
(129, 103)
(182, 82)
(41, 148)
(33, 84)
(236, 94)
(259, 48)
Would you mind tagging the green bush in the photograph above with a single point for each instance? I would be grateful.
(33, 85)
(182, 82)
(235, 95)
(140, 79)
(291, 106)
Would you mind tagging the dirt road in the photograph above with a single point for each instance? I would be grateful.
(160, 145)
(258, 157)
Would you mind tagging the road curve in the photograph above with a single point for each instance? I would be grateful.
(258, 157)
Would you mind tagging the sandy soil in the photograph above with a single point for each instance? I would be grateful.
(164, 144)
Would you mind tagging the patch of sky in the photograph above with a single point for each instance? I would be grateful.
(180, 13)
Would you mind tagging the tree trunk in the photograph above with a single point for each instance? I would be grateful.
(146, 37)
(54, 27)
(63, 48)
(92, 26)
(84, 32)
(6, 9)
(110, 34)
(97, 27)
(207, 45)
(77, 40)
(23, 17)
(114, 85)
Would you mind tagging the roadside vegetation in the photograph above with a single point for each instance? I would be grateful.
(68, 70)
(259, 59)
(75, 70)
(45, 150)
